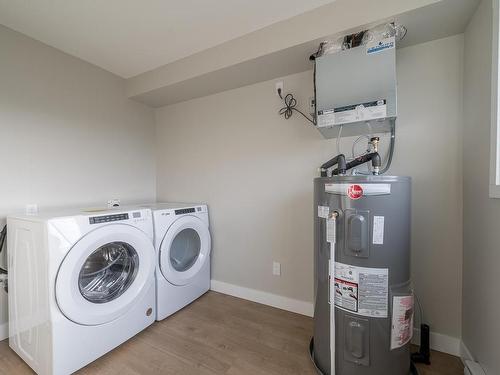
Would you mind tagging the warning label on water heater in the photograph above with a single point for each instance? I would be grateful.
(361, 290)
(346, 294)
(402, 321)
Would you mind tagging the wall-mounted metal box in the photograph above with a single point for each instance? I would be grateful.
(355, 86)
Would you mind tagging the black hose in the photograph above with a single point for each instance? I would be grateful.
(374, 157)
(338, 160)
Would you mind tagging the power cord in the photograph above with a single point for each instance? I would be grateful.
(3, 272)
(3, 236)
(290, 103)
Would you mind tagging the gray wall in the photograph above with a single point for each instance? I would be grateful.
(481, 302)
(69, 135)
(255, 171)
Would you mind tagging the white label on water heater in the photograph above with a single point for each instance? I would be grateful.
(330, 230)
(323, 212)
(402, 321)
(378, 230)
(364, 291)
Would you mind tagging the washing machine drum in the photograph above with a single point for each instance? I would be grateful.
(185, 249)
(104, 274)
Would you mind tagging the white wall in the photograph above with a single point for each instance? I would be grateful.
(256, 170)
(481, 302)
(68, 134)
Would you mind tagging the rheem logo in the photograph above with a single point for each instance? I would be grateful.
(354, 192)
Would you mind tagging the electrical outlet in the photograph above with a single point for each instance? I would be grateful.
(31, 209)
(113, 203)
(276, 268)
(312, 106)
(279, 88)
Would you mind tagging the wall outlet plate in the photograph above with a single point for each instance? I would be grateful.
(113, 203)
(276, 268)
(279, 86)
(312, 106)
(31, 209)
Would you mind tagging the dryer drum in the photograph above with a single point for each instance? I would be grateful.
(108, 272)
(185, 249)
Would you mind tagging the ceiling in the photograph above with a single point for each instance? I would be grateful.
(129, 37)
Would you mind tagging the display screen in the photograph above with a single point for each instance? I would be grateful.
(184, 211)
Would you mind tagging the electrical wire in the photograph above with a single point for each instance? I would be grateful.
(3, 236)
(315, 117)
(391, 148)
(289, 108)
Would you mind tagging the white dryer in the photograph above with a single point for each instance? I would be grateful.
(80, 284)
(183, 244)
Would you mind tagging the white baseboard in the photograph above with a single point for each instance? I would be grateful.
(465, 353)
(473, 367)
(270, 299)
(4, 331)
(441, 343)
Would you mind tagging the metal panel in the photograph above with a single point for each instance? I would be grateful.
(353, 77)
(357, 233)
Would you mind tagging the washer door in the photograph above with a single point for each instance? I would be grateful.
(104, 273)
(184, 250)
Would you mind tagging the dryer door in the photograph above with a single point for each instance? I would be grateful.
(104, 273)
(184, 250)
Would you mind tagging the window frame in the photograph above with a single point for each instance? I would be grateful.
(494, 189)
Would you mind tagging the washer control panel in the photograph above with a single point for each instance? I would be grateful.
(109, 218)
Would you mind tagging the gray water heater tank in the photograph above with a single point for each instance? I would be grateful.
(363, 315)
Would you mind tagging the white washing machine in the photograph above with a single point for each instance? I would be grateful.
(183, 244)
(80, 284)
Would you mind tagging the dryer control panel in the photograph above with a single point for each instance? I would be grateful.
(183, 211)
(108, 218)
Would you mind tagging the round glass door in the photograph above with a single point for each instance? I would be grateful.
(105, 273)
(185, 249)
(108, 272)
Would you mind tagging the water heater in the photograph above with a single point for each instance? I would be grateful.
(363, 316)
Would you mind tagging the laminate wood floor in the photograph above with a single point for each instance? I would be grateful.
(217, 334)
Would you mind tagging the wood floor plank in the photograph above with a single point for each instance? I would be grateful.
(442, 364)
(217, 335)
